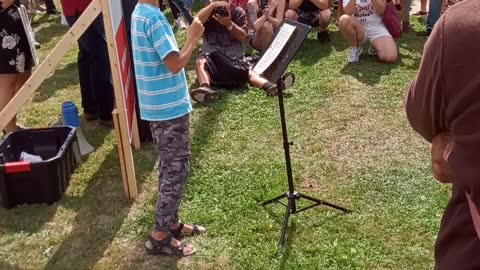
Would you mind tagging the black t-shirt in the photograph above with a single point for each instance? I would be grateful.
(308, 6)
(218, 38)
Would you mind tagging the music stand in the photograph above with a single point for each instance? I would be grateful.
(274, 72)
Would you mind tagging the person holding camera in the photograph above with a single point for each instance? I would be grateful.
(222, 59)
(315, 13)
(163, 97)
(264, 17)
(363, 22)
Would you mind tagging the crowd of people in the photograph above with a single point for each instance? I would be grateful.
(225, 28)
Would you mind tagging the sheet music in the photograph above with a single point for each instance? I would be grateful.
(284, 34)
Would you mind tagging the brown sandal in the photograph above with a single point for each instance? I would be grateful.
(420, 13)
(204, 94)
(178, 233)
(164, 247)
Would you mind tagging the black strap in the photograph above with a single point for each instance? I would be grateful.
(177, 233)
(196, 230)
(1, 4)
(161, 243)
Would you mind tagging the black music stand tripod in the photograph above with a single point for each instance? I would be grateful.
(292, 196)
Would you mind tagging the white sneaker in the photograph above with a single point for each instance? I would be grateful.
(180, 23)
(372, 51)
(355, 54)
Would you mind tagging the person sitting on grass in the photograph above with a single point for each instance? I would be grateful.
(222, 58)
(361, 22)
(263, 21)
(164, 102)
(315, 13)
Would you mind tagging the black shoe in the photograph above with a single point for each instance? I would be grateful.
(105, 123)
(424, 33)
(405, 26)
(204, 94)
(324, 37)
(53, 12)
(89, 117)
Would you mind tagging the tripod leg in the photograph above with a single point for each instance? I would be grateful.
(274, 199)
(325, 203)
(285, 222)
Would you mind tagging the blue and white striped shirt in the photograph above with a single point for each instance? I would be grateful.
(162, 95)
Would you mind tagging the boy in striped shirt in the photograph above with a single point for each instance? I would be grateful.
(164, 101)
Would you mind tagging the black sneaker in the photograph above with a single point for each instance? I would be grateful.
(424, 33)
(53, 12)
(89, 116)
(324, 37)
(105, 123)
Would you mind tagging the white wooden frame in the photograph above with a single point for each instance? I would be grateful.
(119, 115)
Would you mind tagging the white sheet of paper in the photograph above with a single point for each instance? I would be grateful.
(28, 32)
(283, 36)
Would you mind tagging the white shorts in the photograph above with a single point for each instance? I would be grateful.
(373, 32)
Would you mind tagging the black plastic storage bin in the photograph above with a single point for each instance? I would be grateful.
(37, 182)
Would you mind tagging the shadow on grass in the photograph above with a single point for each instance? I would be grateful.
(26, 218)
(100, 213)
(312, 47)
(62, 79)
(290, 238)
(368, 70)
(202, 128)
(54, 29)
(6, 266)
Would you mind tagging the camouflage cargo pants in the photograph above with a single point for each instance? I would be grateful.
(172, 139)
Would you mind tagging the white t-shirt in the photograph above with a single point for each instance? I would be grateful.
(365, 12)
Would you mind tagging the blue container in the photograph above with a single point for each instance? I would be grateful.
(70, 114)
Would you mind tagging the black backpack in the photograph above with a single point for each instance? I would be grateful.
(226, 72)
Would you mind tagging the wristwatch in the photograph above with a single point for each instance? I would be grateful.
(230, 27)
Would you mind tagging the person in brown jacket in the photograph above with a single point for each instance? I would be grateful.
(443, 105)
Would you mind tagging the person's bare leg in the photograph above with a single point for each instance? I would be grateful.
(203, 77)
(291, 14)
(423, 5)
(352, 30)
(256, 80)
(403, 7)
(339, 11)
(386, 49)
(324, 18)
(8, 83)
(263, 36)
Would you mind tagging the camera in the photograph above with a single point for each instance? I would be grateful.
(221, 11)
(263, 4)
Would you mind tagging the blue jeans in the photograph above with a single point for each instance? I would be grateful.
(94, 70)
(434, 12)
(408, 5)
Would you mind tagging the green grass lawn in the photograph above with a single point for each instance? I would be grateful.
(352, 146)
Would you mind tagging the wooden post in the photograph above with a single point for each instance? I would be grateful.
(49, 64)
(123, 143)
(121, 154)
(135, 135)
